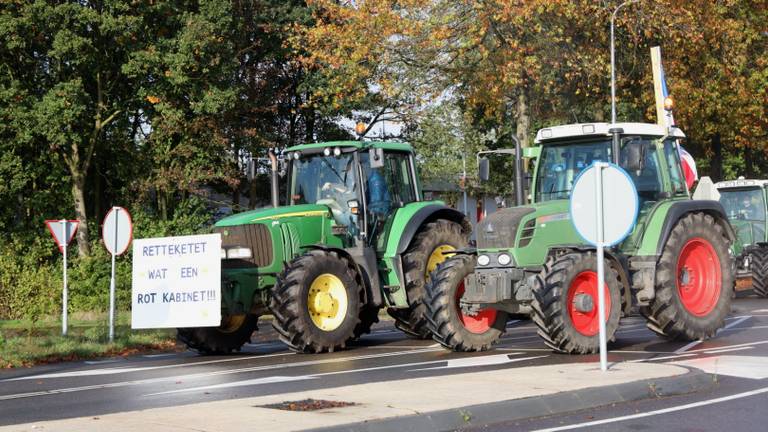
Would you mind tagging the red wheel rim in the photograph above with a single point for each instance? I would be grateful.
(585, 283)
(699, 280)
(479, 323)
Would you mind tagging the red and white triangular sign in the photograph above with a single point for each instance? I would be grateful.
(62, 232)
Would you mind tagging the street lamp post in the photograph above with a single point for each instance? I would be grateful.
(613, 61)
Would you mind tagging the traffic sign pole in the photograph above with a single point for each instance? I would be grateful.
(112, 284)
(600, 266)
(65, 293)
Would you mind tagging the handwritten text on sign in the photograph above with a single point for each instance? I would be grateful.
(177, 282)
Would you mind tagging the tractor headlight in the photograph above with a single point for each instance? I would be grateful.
(336, 151)
(239, 253)
(326, 151)
(483, 260)
(504, 259)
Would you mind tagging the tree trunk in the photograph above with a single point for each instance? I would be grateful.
(717, 160)
(78, 196)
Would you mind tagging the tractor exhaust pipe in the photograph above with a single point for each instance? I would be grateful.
(275, 197)
(518, 172)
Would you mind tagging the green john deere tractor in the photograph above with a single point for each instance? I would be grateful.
(674, 266)
(745, 205)
(356, 236)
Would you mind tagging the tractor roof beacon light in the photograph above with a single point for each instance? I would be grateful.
(669, 103)
(360, 129)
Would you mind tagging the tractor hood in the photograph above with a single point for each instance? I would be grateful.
(529, 231)
(269, 214)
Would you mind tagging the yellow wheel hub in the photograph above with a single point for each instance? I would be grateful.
(327, 302)
(436, 257)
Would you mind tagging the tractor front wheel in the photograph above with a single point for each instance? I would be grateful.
(234, 331)
(429, 248)
(316, 302)
(565, 303)
(759, 267)
(451, 327)
(694, 281)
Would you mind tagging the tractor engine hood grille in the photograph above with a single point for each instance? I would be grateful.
(500, 228)
(253, 236)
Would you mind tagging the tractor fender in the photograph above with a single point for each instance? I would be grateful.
(424, 215)
(680, 208)
(363, 259)
(618, 263)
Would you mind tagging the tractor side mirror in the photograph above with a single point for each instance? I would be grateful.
(250, 169)
(633, 156)
(376, 157)
(528, 179)
(483, 168)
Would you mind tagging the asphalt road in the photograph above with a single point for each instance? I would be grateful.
(739, 355)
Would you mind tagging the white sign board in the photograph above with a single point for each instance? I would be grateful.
(117, 230)
(620, 204)
(176, 282)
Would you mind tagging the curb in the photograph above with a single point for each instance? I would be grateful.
(519, 409)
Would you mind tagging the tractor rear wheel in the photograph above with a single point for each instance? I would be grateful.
(451, 327)
(759, 269)
(428, 249)
(316, 302)
(565, 303)
(693, 281)
(234, 331)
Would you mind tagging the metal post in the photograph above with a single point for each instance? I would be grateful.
(65, 293)
(112, 284)
(464, 164)
(600, 266)
(613, 62)
(519, 199)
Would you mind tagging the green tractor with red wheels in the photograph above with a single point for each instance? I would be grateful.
(674, 268)
(355, 236)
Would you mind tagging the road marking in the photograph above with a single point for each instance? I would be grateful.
(751, 367)
(661, 358)
(729, 350)
(736, 321)
(688, 346)
(152, 356)
(251, 382)
(211, 374)
(277, 379)
(97, 362)
(657, 412)
(120, 370)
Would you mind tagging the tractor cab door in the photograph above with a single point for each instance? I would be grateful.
(389, 185)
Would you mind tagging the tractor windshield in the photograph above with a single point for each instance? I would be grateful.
(327, 180)
(744, 204)
(745, 208)
(560, 164)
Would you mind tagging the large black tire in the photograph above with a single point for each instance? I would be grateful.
(759, 267)
(413, 319)
(564, 328)
(369, 315)
(701, 311)
(233, 332)
(290, 302)
(444, 318)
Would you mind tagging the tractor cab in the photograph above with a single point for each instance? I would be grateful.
(744, 202)
(361, 183)
(647, 152)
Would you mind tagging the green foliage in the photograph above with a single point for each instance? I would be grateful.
(30, 281)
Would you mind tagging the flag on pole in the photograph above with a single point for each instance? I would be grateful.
(665, 117)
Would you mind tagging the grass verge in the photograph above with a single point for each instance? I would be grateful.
(23, 344)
